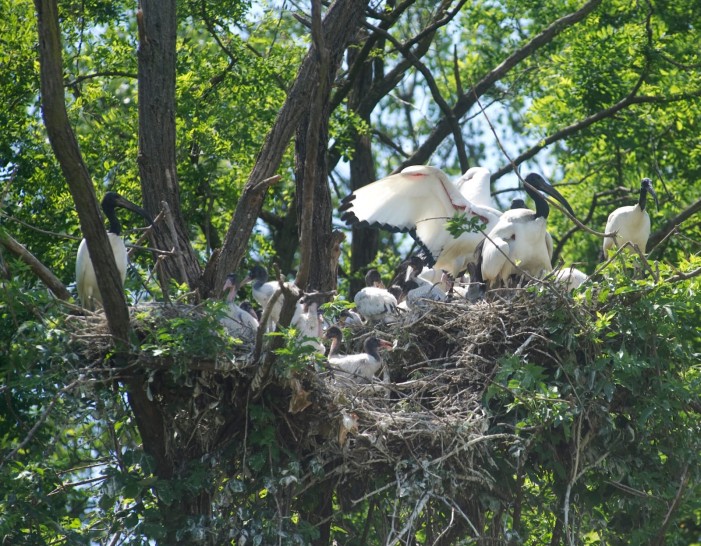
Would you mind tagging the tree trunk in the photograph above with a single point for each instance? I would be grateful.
(157, 163)
(65, 146)
(318, 244)
(342, 21)
(365, 241)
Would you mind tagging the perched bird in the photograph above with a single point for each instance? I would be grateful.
(518, 203)
(419, 201)
(374, 302)
(309, 326)
(520, 241)
(86, 280)
(263, 291)
(632, 223)
(417, 288)
(361, 367)
(474, 185)
(240, 320)
(571, 277)
(348, 317)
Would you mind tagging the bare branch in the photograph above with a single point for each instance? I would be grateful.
(659, 235)
(52, 282)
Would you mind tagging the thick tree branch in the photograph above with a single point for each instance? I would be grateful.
(67, 151)
(313, 135)
(339, 25)
(52, 282)
(672, 223)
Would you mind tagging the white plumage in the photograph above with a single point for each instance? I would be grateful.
(571, 277)
(632, 223)
(519, 241)
(86, 279)
(475, 186)
(374, 302)
(420, 200)
(239, 321)
(361, 367)
(309, 327)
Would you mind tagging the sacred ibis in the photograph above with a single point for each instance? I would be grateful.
(240, 320)
(417, 288)
(361, 367)
(263, 291)
(571, 277)
(520, 241)
(632, 223)
(374, 302)
(86, 280)
(474, 185)
(419, 201)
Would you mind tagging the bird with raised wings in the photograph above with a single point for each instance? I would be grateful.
(420, 200)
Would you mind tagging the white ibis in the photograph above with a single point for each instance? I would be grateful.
(309, 327)
(419, 201)
(361, 367)
(374, 302)
(240, 320)
(632, 223)
(571, 277)
(520, 241)
(86, 280)
(350, 318)
(418, 288)
(263, 290)
(474, 185)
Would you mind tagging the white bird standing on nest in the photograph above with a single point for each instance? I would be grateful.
(520, 241)
(419, 201)
(86, 280)
(240, 321)
(361, 367)
(632, 223)
(374, 302)
(475, 186)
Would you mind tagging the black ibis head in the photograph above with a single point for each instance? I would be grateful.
(536, 182)
(645, 188)
(111, 201)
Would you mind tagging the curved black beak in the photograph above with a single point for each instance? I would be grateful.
(126, 204)
(539, 183)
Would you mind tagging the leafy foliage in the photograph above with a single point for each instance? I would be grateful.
(605, 441)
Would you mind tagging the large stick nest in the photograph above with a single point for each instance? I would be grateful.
(430, 413)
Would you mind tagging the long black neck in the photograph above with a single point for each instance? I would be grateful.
(542, 209)
(643, 197)
(115, 226)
